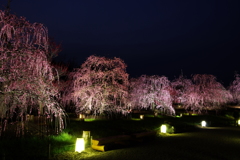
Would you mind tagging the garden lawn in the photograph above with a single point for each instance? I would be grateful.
(204, 143)
(219, 139)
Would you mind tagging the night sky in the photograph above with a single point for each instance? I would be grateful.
(153, 37)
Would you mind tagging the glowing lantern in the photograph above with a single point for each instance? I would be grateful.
(29, 117)
(203, 123)
(141, 116)
(238, 122)
(163, 128)
(80, 146)
(81, 116)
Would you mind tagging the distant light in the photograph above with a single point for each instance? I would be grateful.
(80, 146)
(141, 116)
(163, 128)
(203, 123)
(89, 119)
(179, 116)
(81, 116)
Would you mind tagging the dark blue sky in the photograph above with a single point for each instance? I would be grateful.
(159, 37)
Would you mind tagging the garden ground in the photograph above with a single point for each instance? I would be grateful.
(211, 143)
(219, 140)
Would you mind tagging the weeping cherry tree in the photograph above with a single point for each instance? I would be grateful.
(234, 89)
(100, 85)
(206, 94)
(151, 92)
(26, 74)
(181, 89)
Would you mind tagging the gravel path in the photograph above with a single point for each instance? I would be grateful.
(203, 144)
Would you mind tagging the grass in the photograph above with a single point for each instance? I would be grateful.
(64, 143)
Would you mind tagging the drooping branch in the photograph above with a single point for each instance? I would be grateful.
(181, 88)
(17, 34)
(151, 92)
(203, 93)
(234, 89)
(26, 73)
(99, 85)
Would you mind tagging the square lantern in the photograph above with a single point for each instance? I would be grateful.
(203, 123)
(81, 116)
(80, 146)
(167, 128)
(163, 128)
(238, 122)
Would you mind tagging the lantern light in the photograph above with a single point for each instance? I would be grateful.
(204, 123)
(163, 128)
(238, 122)
(141, 116)
(80, 146)
(81, 116)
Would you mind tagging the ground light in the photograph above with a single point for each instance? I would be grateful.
(163, 128)
(141, 116)
(238, 122)
(80, 146)
(179, 116)
(203, 123)
(89, 119)
(81, 116)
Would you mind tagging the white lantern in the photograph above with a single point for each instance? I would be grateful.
(238, 122)
(80, 146)
(141, 116)
(204, 123)
(163, 128)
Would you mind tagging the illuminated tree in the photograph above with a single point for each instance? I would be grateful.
(100, 85)
(235, 89)
(26, 74)
(181, 88)
(151, 92)
(205, 93)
